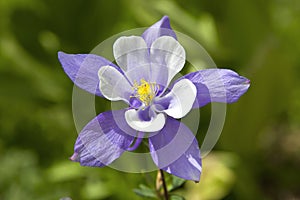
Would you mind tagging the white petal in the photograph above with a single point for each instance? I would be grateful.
(183, 95)
(113, 85)
(156, 124)
(131, 54)
(166, 54)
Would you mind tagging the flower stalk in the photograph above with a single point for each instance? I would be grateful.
(161, 186)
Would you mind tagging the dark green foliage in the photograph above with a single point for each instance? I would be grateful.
(145, 191)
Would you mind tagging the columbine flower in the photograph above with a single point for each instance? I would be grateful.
(146, 66)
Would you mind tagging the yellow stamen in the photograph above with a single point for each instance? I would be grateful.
(144, 91)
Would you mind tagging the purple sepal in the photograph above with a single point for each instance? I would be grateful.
(74, 157)
(160, 28)
(103, 139)
(83, 69)
(217, 85)
(175, 150)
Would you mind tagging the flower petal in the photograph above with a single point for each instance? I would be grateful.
(83, 69)
(167, 59)
(131, 54)
(114, 85)
(155, 124)
(146, 113)
(175, 150)
(217, 85)
(160, 28)
(180, 98)
(103, 139)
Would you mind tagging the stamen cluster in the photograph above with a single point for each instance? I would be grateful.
(145, 91)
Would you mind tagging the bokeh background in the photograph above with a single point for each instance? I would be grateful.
(257, 156)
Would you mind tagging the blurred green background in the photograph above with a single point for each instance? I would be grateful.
(257, 156)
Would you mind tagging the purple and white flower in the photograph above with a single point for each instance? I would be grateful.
(142, 78)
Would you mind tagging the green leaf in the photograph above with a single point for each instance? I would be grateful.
(176, 183)
(145, 191)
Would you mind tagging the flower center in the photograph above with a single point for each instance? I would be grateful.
(145, 91)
